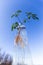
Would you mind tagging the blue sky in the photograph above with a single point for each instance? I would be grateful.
(34, 28)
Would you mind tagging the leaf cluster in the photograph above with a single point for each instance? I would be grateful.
(16, 14)
(29, 15)
(14, 25)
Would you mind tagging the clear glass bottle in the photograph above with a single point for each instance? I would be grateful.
(23, 54)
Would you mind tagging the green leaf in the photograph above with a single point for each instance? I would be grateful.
(29, 17)
(19, 11)
(24, 21)
(34, 16)
(16, 14)
(28, 13)
(12, 16)
(37, 18)
(14, 25)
